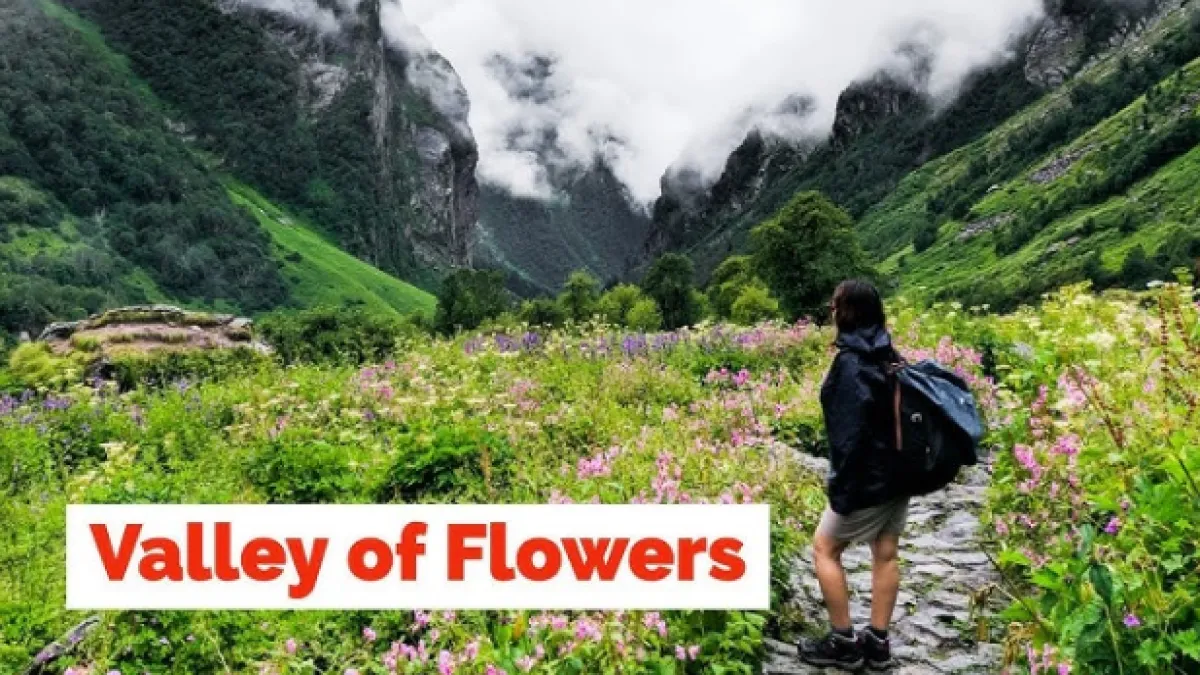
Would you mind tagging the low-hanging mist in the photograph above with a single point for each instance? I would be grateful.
(648, 85)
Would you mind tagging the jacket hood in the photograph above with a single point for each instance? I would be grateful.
(872, 342)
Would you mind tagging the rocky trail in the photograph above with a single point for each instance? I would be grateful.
(943, 570)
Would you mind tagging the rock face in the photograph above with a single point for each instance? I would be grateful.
(945, 579)
(1056, 51)
(690, 211)
(424, 153)
(688, 208)
(588, 221)
(150, 328)
(591, 224)
(1074, 30)
(865, 105)
(338, 109)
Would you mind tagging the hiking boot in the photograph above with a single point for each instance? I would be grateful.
(834, 649)
(876, 651)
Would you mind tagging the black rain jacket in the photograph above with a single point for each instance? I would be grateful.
(856, 399)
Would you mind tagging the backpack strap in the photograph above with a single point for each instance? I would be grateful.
(891, 369)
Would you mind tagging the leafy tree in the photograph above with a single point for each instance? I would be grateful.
(805, 251)
(580, 295)
(470, 297)
(755, 304)
(340, 335)
(644, 316)
(727, 283)
(616, 304)
(1136, 269)
(669, 283)
(542, 312)
(925, 237)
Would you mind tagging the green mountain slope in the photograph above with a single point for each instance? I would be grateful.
(98, 154)
(1012, 190)
(319, 273)
(1072, 213)
(327, 123)
(104, 200)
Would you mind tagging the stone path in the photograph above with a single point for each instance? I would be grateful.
(942, 569)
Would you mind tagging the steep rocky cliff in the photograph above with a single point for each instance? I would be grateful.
(323, 110)
(589, 222)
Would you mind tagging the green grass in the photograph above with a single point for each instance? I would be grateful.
(319, 273)
(1162, 203)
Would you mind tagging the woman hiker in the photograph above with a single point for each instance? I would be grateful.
(865, 503)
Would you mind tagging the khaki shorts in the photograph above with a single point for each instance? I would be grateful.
(865, 525)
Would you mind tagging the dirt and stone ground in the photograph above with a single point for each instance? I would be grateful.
(943, 571)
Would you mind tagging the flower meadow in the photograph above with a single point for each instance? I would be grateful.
(1093, 514)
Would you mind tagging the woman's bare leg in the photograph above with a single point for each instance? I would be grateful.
(885, 579)
(827, 557)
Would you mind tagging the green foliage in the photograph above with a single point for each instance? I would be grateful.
(295, 471)
(82, 130)
(754, 305)
(644, 316)
(481, 418)
(446, 464)
(470, 297)
(580, 294)
(669, 283)
(925, 237)
(34, 366)
(319, 273)
(805, 251)
(236, 86)
(338, 335)
(727, 283)
(164, 367)
(543, 312)
(616, 305)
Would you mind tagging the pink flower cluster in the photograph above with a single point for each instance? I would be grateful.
(598, 465)
(1047, 662)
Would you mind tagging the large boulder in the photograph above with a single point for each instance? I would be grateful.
(151, 328)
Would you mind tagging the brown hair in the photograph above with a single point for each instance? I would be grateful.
(857, 304)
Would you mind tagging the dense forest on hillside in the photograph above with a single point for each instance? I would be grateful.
(243, 94)
(104, 184)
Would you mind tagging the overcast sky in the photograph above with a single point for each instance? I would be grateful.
(652, 83)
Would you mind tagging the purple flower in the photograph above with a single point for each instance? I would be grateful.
(1113, 526)
(1132, 621)
(368, 634)
(290, 645)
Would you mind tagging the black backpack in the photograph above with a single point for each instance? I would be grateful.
(938, 428)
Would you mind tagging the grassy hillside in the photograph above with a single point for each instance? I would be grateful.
(319, 273)
(1094, 181)
(1073, 213)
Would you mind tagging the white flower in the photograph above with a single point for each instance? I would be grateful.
(1102, 339)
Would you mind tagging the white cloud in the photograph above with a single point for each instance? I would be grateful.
(308, 11)
(672, 80)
